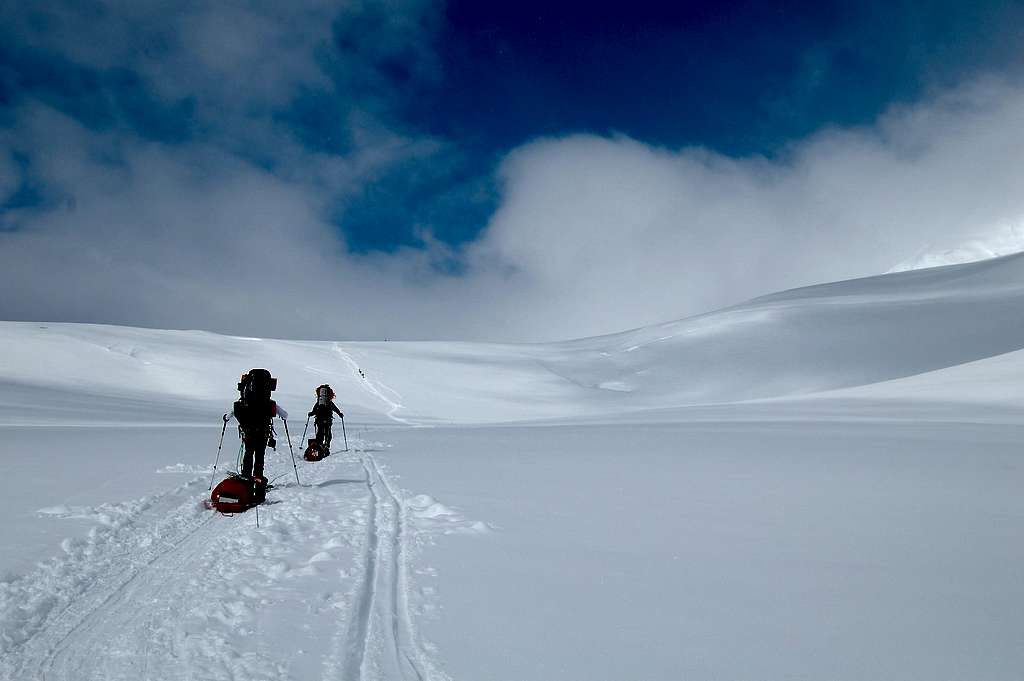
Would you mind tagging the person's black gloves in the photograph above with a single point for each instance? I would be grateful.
(309, 414)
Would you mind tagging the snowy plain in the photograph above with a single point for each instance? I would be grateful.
(820, 483)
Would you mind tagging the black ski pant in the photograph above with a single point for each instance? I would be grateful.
(255, 450)
(323, 434)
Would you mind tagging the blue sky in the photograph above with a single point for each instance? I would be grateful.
(738, 77)
(394, 126)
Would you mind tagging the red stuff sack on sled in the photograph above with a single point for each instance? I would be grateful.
(314, 452)
(236, 494)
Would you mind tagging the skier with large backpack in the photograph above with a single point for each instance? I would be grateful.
(323, 410)
(255, 411)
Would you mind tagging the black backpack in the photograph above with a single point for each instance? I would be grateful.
(255, 386)
(254, 407)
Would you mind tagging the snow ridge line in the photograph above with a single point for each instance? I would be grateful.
(382, 623)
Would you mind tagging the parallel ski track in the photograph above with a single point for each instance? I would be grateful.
(381, 637)
(382, 607)
(171, 562)
(359, 629)
(42, 655)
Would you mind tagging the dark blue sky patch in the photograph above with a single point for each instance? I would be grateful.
(139, 110)
(98, 99)
(738, 77)
(58, 82)
(373, 67)
(27, 198)
(445, 196)
(319, 120)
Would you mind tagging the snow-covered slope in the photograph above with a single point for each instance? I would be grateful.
(797, 342)
(821, 483)
(812, 339)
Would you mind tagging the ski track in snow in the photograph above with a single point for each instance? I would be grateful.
(83, 588)
(382, 640)
(179, 597)
(375, 388)
(67, 657)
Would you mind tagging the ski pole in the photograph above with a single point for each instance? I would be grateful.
(344, 434)
(304, 430)
(292, 450)
(217, 460)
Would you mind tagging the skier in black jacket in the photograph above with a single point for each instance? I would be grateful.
(255, 412)
(324, 410)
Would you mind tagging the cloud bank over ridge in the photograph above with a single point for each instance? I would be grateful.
(647, 234)
(177, 194)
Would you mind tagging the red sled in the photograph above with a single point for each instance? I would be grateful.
(314, 452)
(237, 494)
